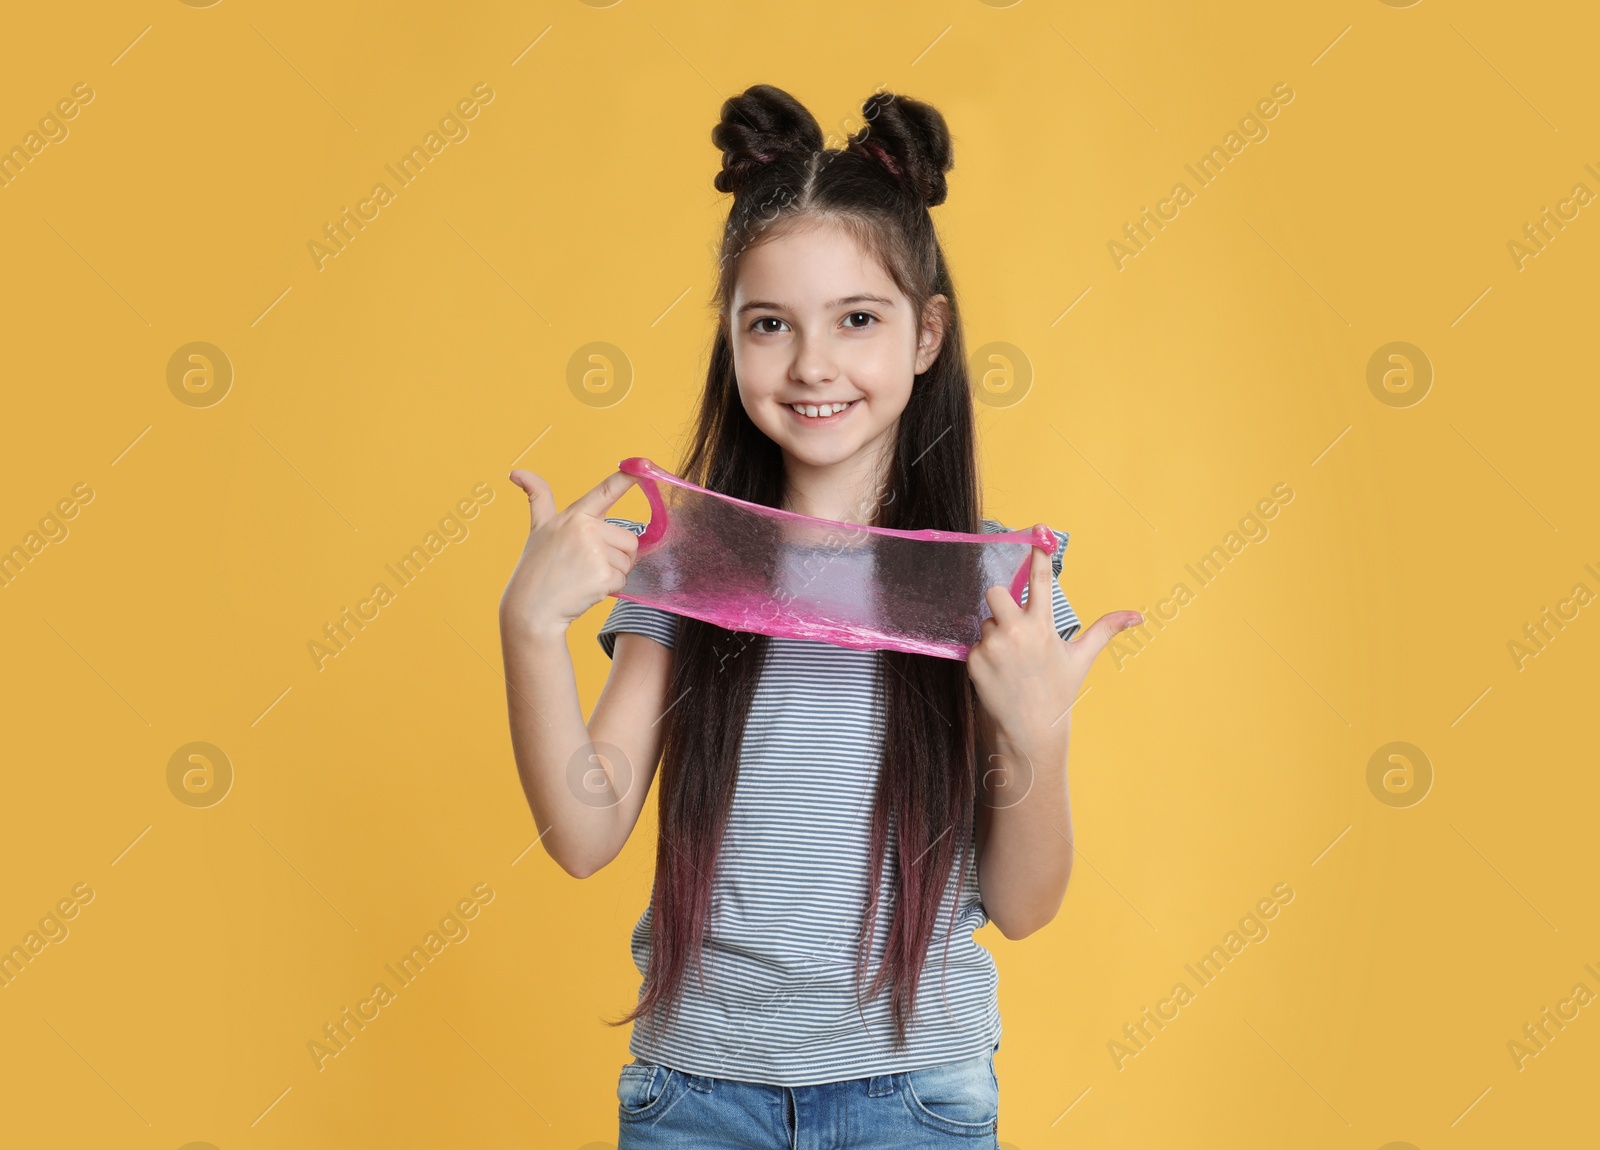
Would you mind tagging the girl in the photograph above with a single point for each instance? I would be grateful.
(822, 816)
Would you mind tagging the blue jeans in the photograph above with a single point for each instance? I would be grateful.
(954, 1104)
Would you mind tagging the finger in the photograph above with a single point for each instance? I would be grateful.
(1099, 633)
(1003, 607)
(1039, 577)
(541, 503)
(598, 500)
(624, 543)
(621, 547)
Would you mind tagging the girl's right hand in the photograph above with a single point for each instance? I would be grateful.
(572, 560)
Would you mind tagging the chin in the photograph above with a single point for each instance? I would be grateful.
(820, 455)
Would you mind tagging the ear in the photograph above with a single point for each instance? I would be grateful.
(935, 321)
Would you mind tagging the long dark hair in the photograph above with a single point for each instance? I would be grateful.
(878, 186)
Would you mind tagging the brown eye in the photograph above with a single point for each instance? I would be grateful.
(862, 314)
(756, 326)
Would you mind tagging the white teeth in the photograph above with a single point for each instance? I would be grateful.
(813, 409)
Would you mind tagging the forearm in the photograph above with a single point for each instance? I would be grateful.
(554, 758)
(1026, 857)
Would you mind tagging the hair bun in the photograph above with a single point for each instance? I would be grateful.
(758, 126)
(910, 140)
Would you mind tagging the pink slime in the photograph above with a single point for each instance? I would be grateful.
(751, 568)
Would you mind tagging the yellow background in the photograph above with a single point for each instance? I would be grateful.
(368, 397)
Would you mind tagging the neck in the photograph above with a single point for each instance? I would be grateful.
(850, 491)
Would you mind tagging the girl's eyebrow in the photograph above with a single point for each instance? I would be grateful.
(769, 305)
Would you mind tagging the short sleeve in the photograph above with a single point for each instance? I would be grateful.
(626, 615)
(1065, 618)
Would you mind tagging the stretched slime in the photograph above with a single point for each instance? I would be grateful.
(747, 567)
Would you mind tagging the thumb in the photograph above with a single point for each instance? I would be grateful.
(1098, 634)
(541, 503)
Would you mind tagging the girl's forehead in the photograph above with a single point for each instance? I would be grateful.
(810, 266)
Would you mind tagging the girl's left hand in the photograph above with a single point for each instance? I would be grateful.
(1026, 675)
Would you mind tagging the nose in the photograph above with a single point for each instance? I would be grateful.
(813, 361)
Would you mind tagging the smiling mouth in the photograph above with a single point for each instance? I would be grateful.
(820, 412)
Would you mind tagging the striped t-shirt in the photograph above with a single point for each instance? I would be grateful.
(779, 1003)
